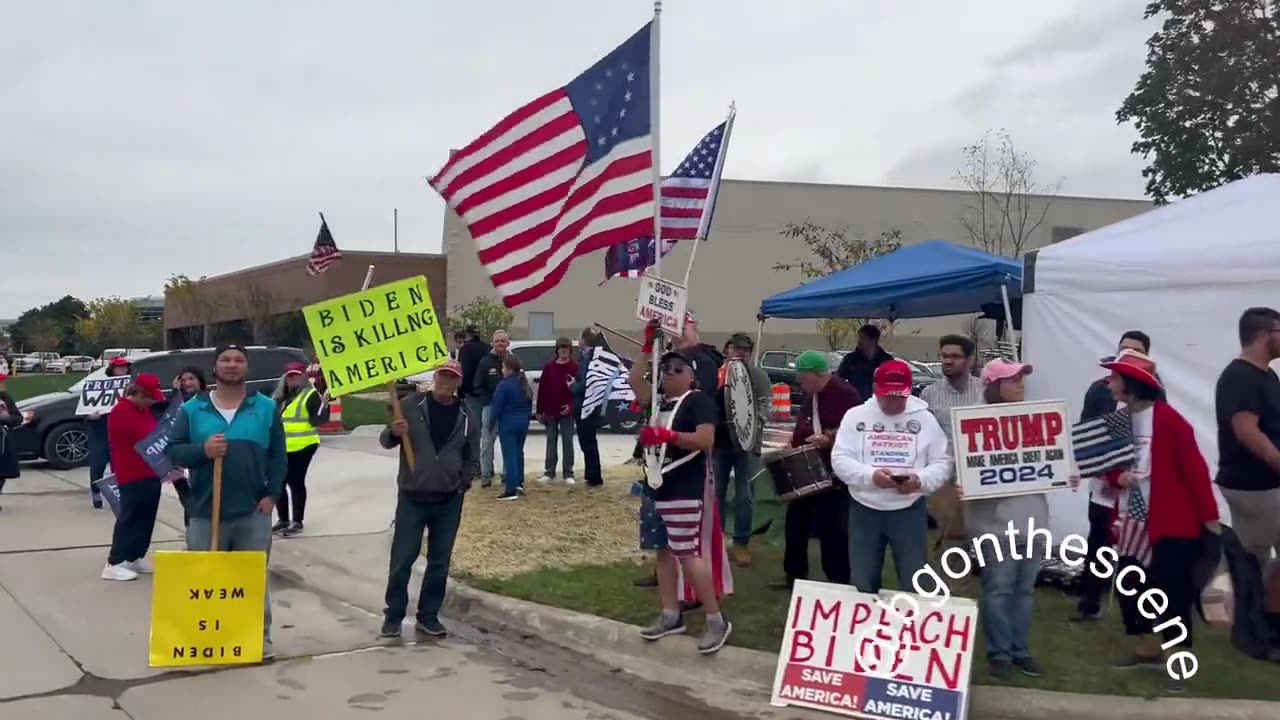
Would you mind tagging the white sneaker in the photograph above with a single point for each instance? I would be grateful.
(546, 479)
(119, 572)
(570, 481)
(142, 566)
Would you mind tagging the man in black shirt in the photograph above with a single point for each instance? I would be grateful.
(858, 368)
(1247, 401)
(483, 385)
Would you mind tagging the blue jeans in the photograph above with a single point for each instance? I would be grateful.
(487, 436)
(248, 533)
(440, 521)
(512, 440)
(905, 532)
(1006, 607)
(744, 466)
(560, 430)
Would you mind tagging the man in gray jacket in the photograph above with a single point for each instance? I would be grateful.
(446, 446)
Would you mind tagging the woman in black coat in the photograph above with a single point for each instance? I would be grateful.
(9, 418)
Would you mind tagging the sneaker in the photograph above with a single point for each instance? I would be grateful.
(142, 566)
(741, 556)
(520, 490)
(1082, 617)
(295, 528)
(661, 628)
(486, 482)
(648, 581)
(96, 499)
(1174, 685)
(509, 496)
(1135, 660)
(1027, 666)
(430, 627)
(546, 478)
(1000, 669)
(279, 527)
(570, 481)
(121, 572)
(268, 650)
(713, 639)
(390, 629)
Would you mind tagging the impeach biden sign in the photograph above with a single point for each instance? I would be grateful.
(864, 655)
(1012, 448)
(376, 336)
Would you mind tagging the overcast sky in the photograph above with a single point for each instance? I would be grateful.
(144, 138)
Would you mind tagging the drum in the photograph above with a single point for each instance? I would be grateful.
(740, 403)
(798, 472)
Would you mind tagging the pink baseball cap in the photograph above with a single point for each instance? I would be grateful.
(1001, 369)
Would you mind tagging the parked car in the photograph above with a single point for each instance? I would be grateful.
(535, 354)
(111, 353)
(4, 366)
(780, 365)
(923, 375)
(36, 362)
(72, 363)
(52, 431)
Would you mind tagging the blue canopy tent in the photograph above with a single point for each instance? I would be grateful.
(928, 279)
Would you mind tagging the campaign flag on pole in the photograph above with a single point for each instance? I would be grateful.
(688, 202)
(325, 252)
(563, 176)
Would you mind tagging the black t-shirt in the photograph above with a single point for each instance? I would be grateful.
(707, 372)
(443, 419)
(688, 481)
(1244, 387)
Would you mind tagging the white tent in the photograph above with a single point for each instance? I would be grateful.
(1181, 273)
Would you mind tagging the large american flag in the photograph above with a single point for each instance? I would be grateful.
(325, 252)
(688, 202)
(567, 174)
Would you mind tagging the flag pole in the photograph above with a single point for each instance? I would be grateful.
(655, 123)
(704, 225)
(395, 228)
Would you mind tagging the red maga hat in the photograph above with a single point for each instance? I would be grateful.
(1133, 364)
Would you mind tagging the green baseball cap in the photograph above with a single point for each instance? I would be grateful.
(812, 361)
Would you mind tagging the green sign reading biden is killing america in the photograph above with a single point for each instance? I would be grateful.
(376, 336)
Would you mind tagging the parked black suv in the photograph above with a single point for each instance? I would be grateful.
(55, 433)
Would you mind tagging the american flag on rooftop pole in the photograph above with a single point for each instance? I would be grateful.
(562, 176)
(688, 203)
(325, 252)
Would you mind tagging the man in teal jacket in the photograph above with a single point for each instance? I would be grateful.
(243, 429)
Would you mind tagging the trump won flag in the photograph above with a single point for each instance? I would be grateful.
(566, 174)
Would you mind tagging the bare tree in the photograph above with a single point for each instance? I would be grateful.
(196, 304)
(975, 328)
(1009, 204)
(254, 305)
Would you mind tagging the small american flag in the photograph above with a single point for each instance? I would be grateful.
(326, 251)
(1131, 527)
(1103, 444)
(563, 176)
(688, 203)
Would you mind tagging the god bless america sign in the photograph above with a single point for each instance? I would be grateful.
(1012, 448)
(892, 655)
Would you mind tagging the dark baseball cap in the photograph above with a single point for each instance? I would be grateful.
(217, 353)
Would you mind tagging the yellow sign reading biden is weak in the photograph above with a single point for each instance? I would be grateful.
(376, 336)
(207, 608)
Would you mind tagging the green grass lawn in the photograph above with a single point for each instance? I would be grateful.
(360, 411)
(21, 387)
(1076, 658)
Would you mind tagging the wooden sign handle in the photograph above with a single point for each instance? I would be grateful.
(397, 413)
(216, 518)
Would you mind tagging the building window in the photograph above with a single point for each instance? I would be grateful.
(1061, 233)
(542, 326)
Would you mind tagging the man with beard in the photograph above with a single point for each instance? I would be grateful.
(957, 388)
(859, 367)
(483, 385)
(244, 430)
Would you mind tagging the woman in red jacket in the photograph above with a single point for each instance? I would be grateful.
(1165, 502)
(129, 422)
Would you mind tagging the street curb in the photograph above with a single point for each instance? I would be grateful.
(751, 672)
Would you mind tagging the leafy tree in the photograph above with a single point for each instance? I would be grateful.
(113, 322)
(832, 251)
(1009, 204)
(30, 328)
(484, 314)
(1207, 107)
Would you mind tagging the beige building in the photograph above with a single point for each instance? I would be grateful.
(734, 269)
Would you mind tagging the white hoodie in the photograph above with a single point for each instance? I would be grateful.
(912, 442)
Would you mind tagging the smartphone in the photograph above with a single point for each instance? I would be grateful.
(900, 478)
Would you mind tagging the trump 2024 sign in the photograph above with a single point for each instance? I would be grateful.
(1012, 448)
(876, 656)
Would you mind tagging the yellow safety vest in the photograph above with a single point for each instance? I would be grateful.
(299, 433)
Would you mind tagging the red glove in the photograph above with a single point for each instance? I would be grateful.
(650, 334)
(651, 436)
